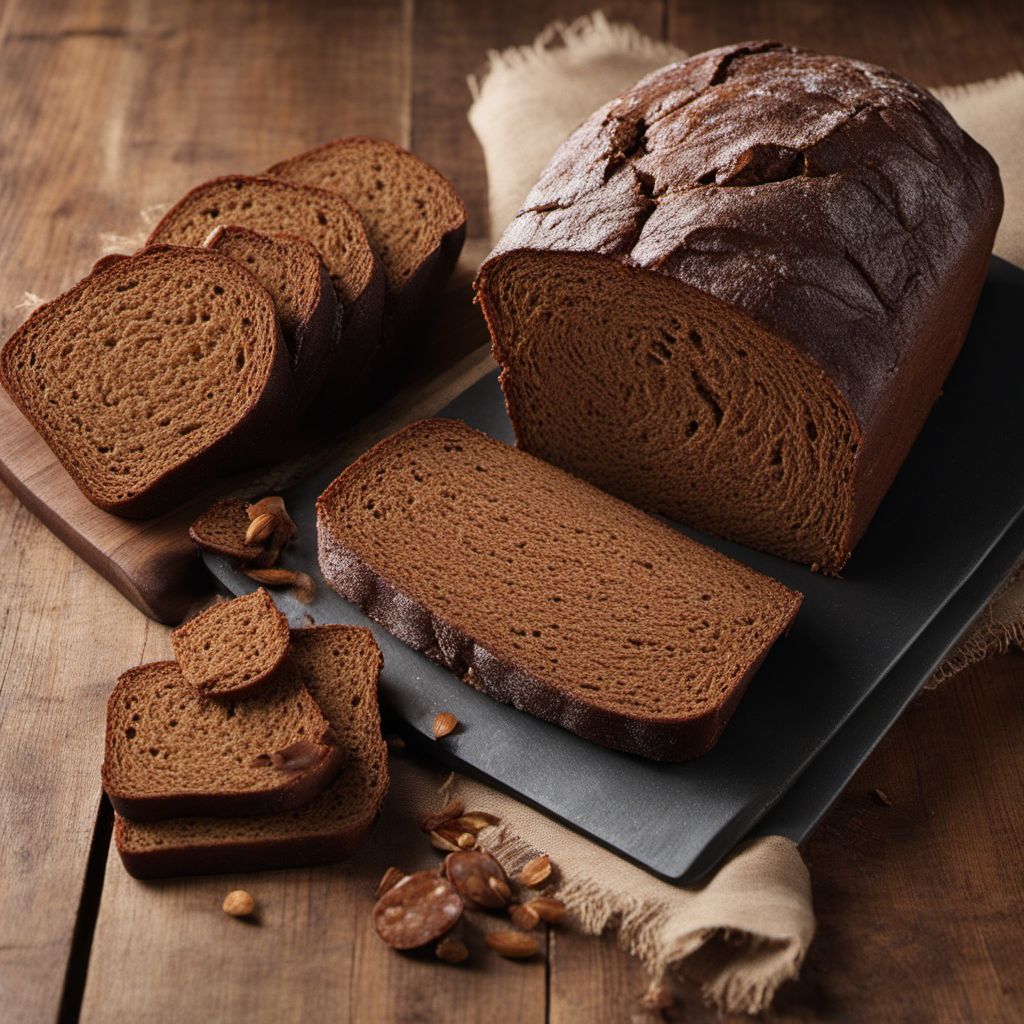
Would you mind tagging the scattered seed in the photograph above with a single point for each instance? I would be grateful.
(475, 821)
(444, 723)
(449, 813)
(500, 889)
(547, 908)
(451, 951)
(515, 945)
(439, 841)
(466, 841)
(881, 798)
(261, 528)
(388, 880)
(238, 903)
(274, 577)
(523, 916)
(536, 871)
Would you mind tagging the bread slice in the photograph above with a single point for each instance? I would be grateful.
(340, 666)
(290, 269)
(153, 376)
(324, 219)
(546, 593)
(171, 751)
(221, 530)
(234, 648)
(414, 218)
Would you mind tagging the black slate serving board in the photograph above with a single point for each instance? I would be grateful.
(955, 500)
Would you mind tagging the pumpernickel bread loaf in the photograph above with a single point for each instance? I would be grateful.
(233, 648)
(414, 218)
(546, 593)
(171, 751)
(339, 665)
(153, 376)
(307, 305)
(736, 290)
(330, 224)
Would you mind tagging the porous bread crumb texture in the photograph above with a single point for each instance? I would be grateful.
(407, 206)
(572, 591)
(831, 202)
(664, 397)
(340, 666)
(221, 530)
(233, 648)
(271, 206)
(143, 366)
(168, 744)
(287, 266)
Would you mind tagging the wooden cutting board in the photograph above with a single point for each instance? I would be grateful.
(153, 562)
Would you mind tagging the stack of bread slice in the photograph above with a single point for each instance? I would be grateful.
(256, 299)
(259, 747)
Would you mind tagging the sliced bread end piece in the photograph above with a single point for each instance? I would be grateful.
(340, 667)
(170, 751)
(234, 648)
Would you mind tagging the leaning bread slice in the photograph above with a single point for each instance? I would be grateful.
(153, 376)
(307, 305)
(234, 648)
(171, 751)
(414, 217)
(546, 593)
(324, 219)
(222, 529)
(340, 666)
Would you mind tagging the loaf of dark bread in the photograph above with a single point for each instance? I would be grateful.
(170, 751)
(153, 376)
(546, 593)
(330, 224)
(307, 304)
(339, 666)
(735, 292)
(414, 218)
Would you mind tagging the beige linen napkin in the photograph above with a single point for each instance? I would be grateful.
(752, 919)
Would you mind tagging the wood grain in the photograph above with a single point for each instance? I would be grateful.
(110, 105)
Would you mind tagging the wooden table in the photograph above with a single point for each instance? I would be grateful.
(108, 106)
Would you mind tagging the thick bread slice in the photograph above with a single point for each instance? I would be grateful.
(221, 530)
(153, 376)
(546, 593)
(340, 666)
(414, 218)
(330, 224)
(234, 648)
(171, 751)
(307, 305)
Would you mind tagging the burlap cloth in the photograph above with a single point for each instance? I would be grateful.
(752, 920)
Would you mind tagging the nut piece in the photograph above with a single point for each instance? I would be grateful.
(451, 951)
(274, 505)
(274, 577)
(475, 821)
(388, 880)
(547, 908)
(536, 871)
(523, 916)
(261, 528)
(238, 903)
(450, 811)
(515, 945)
(417, 910)
(440, 841)
(466, 841)
(444, 723)
(479, 878)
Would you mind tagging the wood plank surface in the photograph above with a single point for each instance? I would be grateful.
(111, 105)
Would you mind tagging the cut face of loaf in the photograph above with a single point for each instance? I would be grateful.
(325, 220)
(736, 290)
(290, 269)
(415, 219)
(340, 666)
(153, 376)
(234, 648)
(546, 593)
(171, 751)
(663, 396)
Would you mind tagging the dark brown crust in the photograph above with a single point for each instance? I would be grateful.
(663, 739)
(862, 241)
(241, 447)
(265, 855)
(227, 804)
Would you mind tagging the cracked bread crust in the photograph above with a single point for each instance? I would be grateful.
(828, 201)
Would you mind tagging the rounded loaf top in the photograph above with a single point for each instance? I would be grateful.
(829, 199)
